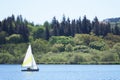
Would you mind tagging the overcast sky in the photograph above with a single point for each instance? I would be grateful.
(40, 11)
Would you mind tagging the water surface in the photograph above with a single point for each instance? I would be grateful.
(62, 72)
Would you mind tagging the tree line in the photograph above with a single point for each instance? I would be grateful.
(69, 27)
(17, 30)
(16, 26)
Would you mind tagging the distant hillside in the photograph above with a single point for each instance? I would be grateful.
(112, 19)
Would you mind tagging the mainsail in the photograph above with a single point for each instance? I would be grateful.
(29, 60)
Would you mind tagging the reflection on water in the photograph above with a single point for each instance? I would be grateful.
(62, 72)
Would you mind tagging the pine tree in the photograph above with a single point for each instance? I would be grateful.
(47, 33)
(116, 30)
(86, 26)
(0, 26)
(62, 26)
(108, 28)
(55, 26)
(4, 25)
(67, 28)
(73, 31)
(96, 26)
(78, 26)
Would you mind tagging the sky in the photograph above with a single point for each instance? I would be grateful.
(39, 11)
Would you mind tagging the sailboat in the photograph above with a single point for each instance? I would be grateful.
(29, 61)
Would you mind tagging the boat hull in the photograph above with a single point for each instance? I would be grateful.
(30, 70)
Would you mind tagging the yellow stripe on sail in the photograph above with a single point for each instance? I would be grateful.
(28, 61)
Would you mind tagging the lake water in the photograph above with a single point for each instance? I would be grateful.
(62, 72)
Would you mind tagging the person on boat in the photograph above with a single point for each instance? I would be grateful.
(28, 69)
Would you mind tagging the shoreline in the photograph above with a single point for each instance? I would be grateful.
(81, 63)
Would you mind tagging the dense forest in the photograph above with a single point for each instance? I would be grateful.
(76, 41)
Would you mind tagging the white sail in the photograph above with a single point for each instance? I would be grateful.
(29, 60)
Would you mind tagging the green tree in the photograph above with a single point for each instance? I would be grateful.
(39, 33)
(3, 34)
(85, 39)
(96, 26)
(58, 48)
(116, 30)
(40, 46)
(113, 38)
(110, 57)
(61, 40)
(4, 25)
(0, 26)
(86, 26)
(55, 26)
(47, 33)
(68, 48)
(116, 47)
(78, 58)
(6, 58)
(14, 38)
(73, 30)
(67, 29)
(78, 26)
(62, 26)
(99, 45)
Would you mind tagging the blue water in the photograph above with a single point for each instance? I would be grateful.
(62, 72)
